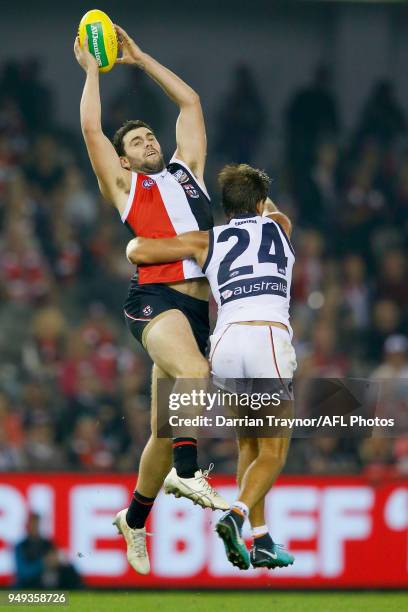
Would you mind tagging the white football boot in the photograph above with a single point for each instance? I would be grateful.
(136, 544)
(198, 489)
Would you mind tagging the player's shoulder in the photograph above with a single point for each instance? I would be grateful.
(185, 176)
(180, 172)
(219, 228)
(281, 220)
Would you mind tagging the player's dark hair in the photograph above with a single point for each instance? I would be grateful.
(242, 187)
(131, 124)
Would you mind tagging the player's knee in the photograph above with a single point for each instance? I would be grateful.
(246, 444)
(273, 452)
(195, 368)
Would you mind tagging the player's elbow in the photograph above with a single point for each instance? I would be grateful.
(192, 99)
(134, 251)
(195, 98)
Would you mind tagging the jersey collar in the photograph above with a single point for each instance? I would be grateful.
(247, 216)
(160, 174)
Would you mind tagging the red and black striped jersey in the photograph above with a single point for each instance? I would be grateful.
(164, 205)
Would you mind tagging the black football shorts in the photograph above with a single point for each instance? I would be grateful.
(145, 302)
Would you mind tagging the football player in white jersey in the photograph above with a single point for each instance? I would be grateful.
(248, 263)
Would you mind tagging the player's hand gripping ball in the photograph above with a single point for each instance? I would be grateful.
(102, 39)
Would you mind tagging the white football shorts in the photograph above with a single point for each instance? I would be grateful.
(252, 351)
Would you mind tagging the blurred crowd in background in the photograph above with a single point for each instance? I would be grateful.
(75, 386)
(39, 564)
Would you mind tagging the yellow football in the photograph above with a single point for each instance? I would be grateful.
(102, 39)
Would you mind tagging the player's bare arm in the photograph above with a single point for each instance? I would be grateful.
(166, 250)
(113, 180)
(271, 210)
(190, 127)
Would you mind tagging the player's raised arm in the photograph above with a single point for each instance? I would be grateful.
(271, 210)
(190, 127)
(112, 178)
(166, 250)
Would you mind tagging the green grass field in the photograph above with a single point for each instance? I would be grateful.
(256, 601)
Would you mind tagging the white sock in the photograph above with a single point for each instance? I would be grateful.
(259, 531)
(241, 506)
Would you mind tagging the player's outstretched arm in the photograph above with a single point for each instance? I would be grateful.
(190, 127)
(112, 178)
(147, 251)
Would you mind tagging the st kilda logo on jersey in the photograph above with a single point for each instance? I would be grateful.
(148, 183)
(191, 191)
(183, 178)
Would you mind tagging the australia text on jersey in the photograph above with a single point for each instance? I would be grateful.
(264, 285)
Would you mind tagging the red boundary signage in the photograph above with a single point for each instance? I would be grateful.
(344, 531)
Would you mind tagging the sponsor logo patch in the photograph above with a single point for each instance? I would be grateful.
(96, 44)
(181, 177)
(250, 287)
(226, 294)
(148, 183)
(236, 223)
(147, 310)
